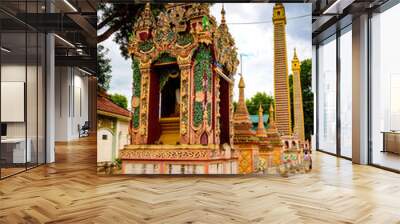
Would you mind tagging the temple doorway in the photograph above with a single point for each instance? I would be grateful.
(168, 76)
(170, 96)
(224, 111)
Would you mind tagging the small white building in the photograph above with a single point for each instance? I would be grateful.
(113, 124)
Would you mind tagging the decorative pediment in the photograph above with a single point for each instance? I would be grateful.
(225, 49)
(180, 29)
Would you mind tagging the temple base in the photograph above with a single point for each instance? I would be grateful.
(178, 159)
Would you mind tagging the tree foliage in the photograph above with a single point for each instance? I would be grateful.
(120, 100)
(308, 97)
(118, 19)
(259, 98)
(103, 68)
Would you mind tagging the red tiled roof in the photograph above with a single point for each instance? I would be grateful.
(106, 105)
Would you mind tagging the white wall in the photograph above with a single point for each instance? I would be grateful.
(104, 145)
(108, 149)
(33, 126)
(71, 102)
(16, 73)
(122, 138)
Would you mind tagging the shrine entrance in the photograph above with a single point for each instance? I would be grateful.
(168, 76)
(170, 95)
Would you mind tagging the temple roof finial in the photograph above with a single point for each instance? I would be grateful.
(261, 129)
(147, 6)
(260, 109)
(223, 14)
(271, 113)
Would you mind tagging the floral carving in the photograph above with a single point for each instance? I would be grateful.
(146, 46)
(136, 92)
(181, 154)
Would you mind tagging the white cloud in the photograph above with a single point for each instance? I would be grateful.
(255, 40)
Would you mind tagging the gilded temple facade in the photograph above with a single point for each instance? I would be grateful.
(183, 120)
(183, 66)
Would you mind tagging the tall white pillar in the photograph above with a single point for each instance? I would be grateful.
(50, 92)
(360, 89)
(50, 99)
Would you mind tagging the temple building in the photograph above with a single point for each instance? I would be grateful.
(183, 66)
(182, 103)
(281, 79)
(297, 99)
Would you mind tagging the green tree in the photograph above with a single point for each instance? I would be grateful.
(308, 97)
(259, 98)
(118, 19)
(120, 100)
(103, 68)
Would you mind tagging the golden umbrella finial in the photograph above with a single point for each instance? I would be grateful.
(223, 14)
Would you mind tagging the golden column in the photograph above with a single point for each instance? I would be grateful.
(281, 79)
(144, 102)
(185, 67)
(297, 99)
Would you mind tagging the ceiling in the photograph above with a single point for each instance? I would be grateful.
(74, 22)
(331, 15)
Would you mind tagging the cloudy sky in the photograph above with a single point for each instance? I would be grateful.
(254, 39)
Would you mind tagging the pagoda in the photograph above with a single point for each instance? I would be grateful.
(244, 137)
(281, 78)
(297, 99)
(183, 66)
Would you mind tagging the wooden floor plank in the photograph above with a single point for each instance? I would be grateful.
(70, 191)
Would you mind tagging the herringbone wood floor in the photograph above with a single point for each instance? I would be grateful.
(69, 191)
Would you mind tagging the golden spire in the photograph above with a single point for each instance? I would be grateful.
(271, 117)
(241, 115)
(261, 129)
(297, 99)
(242, 108)
(223, 14)
(295, 61)
(281, 77)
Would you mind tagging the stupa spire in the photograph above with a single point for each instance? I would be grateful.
(223, 15)
(281, 78)
(242, 102)
(271, 123)
(297, 99)
(241, 115)
(261, 129)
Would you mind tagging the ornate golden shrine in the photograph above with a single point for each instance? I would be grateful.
(183, 121)
(186, 128)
